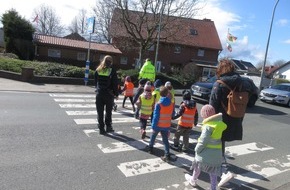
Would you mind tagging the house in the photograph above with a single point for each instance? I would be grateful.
(71, 51)
(282, 72)
(185, 41)
(242, 67)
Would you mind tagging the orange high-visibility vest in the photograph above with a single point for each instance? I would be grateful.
(129, 89)
(187, 118)
(165, 116)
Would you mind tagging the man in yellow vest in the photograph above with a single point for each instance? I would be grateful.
(147, 71)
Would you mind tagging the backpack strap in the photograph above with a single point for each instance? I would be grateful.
(227, 86)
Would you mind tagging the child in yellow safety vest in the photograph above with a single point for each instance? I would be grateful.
(208, 150)
(128, 91)
(188, 117)
(145, 103)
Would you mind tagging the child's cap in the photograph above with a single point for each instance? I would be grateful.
(168, 84)
(186, 95)
(142, 82)
(207, 111)
(147, 87)
(157, 83)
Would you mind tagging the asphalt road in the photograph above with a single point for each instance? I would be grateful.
(49, 141)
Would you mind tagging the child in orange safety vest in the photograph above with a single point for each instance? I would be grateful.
(128, 91)
(188, 117)
(161, 123)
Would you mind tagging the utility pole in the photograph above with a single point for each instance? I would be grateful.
(266, 53)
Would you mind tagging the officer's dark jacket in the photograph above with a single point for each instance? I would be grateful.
(106, 81)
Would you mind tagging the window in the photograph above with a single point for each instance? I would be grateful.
(54, 53)
(200, 53)
(193, 31)
(177, 49)
(124, 60)
(81, 56)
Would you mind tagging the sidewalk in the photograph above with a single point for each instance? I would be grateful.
(14, 85)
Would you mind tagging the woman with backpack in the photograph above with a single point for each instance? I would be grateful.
(219, 100)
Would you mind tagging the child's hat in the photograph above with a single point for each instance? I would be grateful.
(147, 87)
(168, 83)
(186, 95)
(207, 111)
(128, 79)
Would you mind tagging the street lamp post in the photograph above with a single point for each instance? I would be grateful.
(266, 53)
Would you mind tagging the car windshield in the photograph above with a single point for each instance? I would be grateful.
(282, 87)
(211, 79)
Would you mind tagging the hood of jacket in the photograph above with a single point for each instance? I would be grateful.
(216, 117)
(165, 101)
(232, 79)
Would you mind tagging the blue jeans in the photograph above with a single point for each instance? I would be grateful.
(164, 135)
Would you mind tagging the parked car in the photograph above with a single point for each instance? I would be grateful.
(279, 93)
(201, 90)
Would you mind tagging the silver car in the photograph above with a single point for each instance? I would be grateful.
(279, 93)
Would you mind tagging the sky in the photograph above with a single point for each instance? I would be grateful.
(248, 20)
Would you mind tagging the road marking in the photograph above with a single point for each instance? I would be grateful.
(248, 148)
(77, 105)
(73, 100)
(126, 146)
(94, 121)
(119, 112)
(135, 168)
(267, 169)
(73, 95)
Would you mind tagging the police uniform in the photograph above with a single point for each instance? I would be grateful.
(106, 83)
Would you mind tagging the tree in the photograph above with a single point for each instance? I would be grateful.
(149, 18)
(78, 24)
(47, 21)
(104, 12)
(17, 35)
(278, 63)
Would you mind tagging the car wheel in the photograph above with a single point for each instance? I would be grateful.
(252, 101)
(288, 103)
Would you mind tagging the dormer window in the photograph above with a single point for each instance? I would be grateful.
(193, 31)
(177, 49)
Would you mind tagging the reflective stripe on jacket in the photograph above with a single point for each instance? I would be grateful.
(104, 79)
(165, 116)
(146, 105)
(218, 128)
(187, 118)
(129, 91)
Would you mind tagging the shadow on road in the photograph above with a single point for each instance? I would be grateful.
(265, 111)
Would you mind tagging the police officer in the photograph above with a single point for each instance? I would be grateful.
(106, 83)
(147, 71)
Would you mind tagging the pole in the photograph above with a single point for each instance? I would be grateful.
(266, 53)
(158, 36)
(87, 71)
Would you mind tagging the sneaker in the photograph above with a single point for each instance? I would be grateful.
(165, 158)
(143, 134)
(149, 149)
(189, 180)
(225, 178)
(115, 107)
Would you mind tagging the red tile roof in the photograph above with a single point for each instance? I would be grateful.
(180, 28)
(58, 41)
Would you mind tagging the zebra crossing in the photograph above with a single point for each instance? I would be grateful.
(82, 110)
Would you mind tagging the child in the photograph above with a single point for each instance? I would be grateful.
(145, 103)
(120, 92)
(188, 118)
(161, 122)
(171, 92)
(156, 91)
(139, 91)
(208, 151)
(128, 90)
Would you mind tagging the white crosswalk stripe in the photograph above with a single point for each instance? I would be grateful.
(77, 105)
